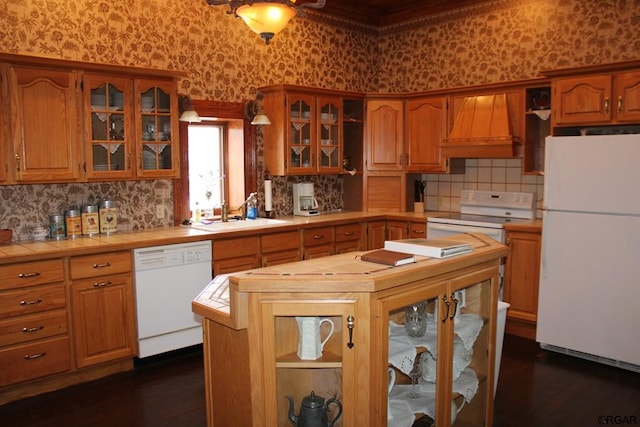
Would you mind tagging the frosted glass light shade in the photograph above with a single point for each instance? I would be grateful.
(266, 18)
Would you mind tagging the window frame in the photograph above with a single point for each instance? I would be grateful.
(224, 111)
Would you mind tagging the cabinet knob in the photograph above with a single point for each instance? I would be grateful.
(606, 105)
(619, 104)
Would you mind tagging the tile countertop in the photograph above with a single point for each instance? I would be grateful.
(37, 250)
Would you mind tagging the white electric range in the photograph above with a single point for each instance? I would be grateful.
(484, 212)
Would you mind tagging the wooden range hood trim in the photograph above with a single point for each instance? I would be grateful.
(481, 129)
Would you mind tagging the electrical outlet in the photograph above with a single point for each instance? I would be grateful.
(159, 211)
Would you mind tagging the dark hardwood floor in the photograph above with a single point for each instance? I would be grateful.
(536, 388)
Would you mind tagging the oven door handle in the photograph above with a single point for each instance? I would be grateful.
(495, 233)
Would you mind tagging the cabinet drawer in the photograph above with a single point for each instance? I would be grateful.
(33, 299)
(318, 236)
(280, 241)
(281, 257)
(31, 273)
(418, 230)
(100, 264)
(348, 232)
(34, 360)
(21, 329)
(232, 248)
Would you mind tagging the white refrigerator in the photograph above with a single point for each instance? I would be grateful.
(589, 298)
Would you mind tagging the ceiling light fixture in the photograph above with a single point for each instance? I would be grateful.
(266, 17)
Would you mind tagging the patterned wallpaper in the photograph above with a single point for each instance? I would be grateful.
(499, 40)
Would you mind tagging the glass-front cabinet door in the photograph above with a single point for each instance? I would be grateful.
(329, 135)
(439, 354)
(296, 364)
(302, 138)
(109, 132)
(157, 128)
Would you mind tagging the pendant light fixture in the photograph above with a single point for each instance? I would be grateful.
(266, 17)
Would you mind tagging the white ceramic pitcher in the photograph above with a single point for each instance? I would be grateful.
(310, 344)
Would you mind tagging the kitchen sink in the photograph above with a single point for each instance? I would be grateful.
(238, 224)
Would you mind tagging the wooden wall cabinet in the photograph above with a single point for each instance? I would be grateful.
(306, 135)
(102, 306)
(44, 116)
(384, 135)
(68, 121)
(597, 99)
(34, 332)
(521, 276)
(425, 128)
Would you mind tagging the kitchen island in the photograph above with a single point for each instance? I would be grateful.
(251, 339)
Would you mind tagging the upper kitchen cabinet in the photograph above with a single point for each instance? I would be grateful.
(109, 132)
(601, 95)
(601, 99)
(425, 128)
(156, 118)
(384, 133)
(3, 129)
(44, 119)
(306, 132)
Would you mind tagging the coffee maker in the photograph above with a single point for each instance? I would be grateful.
(304, 203)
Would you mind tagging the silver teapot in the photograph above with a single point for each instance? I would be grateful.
(313, 411)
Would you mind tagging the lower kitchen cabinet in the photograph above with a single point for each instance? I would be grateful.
(102, 307)
(376, 234)
(349, 238)
(236, 254)
(280, 248)
(397, 230)
(318, 242)
(34, 334)
(521, 277)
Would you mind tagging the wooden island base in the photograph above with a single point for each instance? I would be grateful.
(251, 338)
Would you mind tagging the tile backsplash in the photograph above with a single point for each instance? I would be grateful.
(24, 207)
(443, 191)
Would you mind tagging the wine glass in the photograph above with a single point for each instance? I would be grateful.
(415, 374)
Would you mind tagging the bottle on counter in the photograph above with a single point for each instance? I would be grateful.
(252, 207)
(108, 210)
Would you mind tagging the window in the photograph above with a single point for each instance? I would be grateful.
(236, 155)
(206, 167)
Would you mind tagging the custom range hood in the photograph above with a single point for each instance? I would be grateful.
(481, 129)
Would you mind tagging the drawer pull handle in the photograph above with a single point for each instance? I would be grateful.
(447, 304)
(318, 236)
(37, 328)
(102, 284)
(32, 302)
(106, 264)
(27, 275)
(34, 356)
(418, 231)
(348, 233)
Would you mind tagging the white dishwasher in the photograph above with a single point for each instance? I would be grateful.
(167, 279)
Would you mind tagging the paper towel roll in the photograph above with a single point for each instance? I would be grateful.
(267, 195)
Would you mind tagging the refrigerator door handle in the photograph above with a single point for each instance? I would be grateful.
(544, 249)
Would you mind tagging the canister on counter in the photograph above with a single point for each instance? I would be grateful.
(108, 217)
(90, 220)
(56, 227)
(73, 221)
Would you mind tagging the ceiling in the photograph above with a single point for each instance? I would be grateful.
(381, 13)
